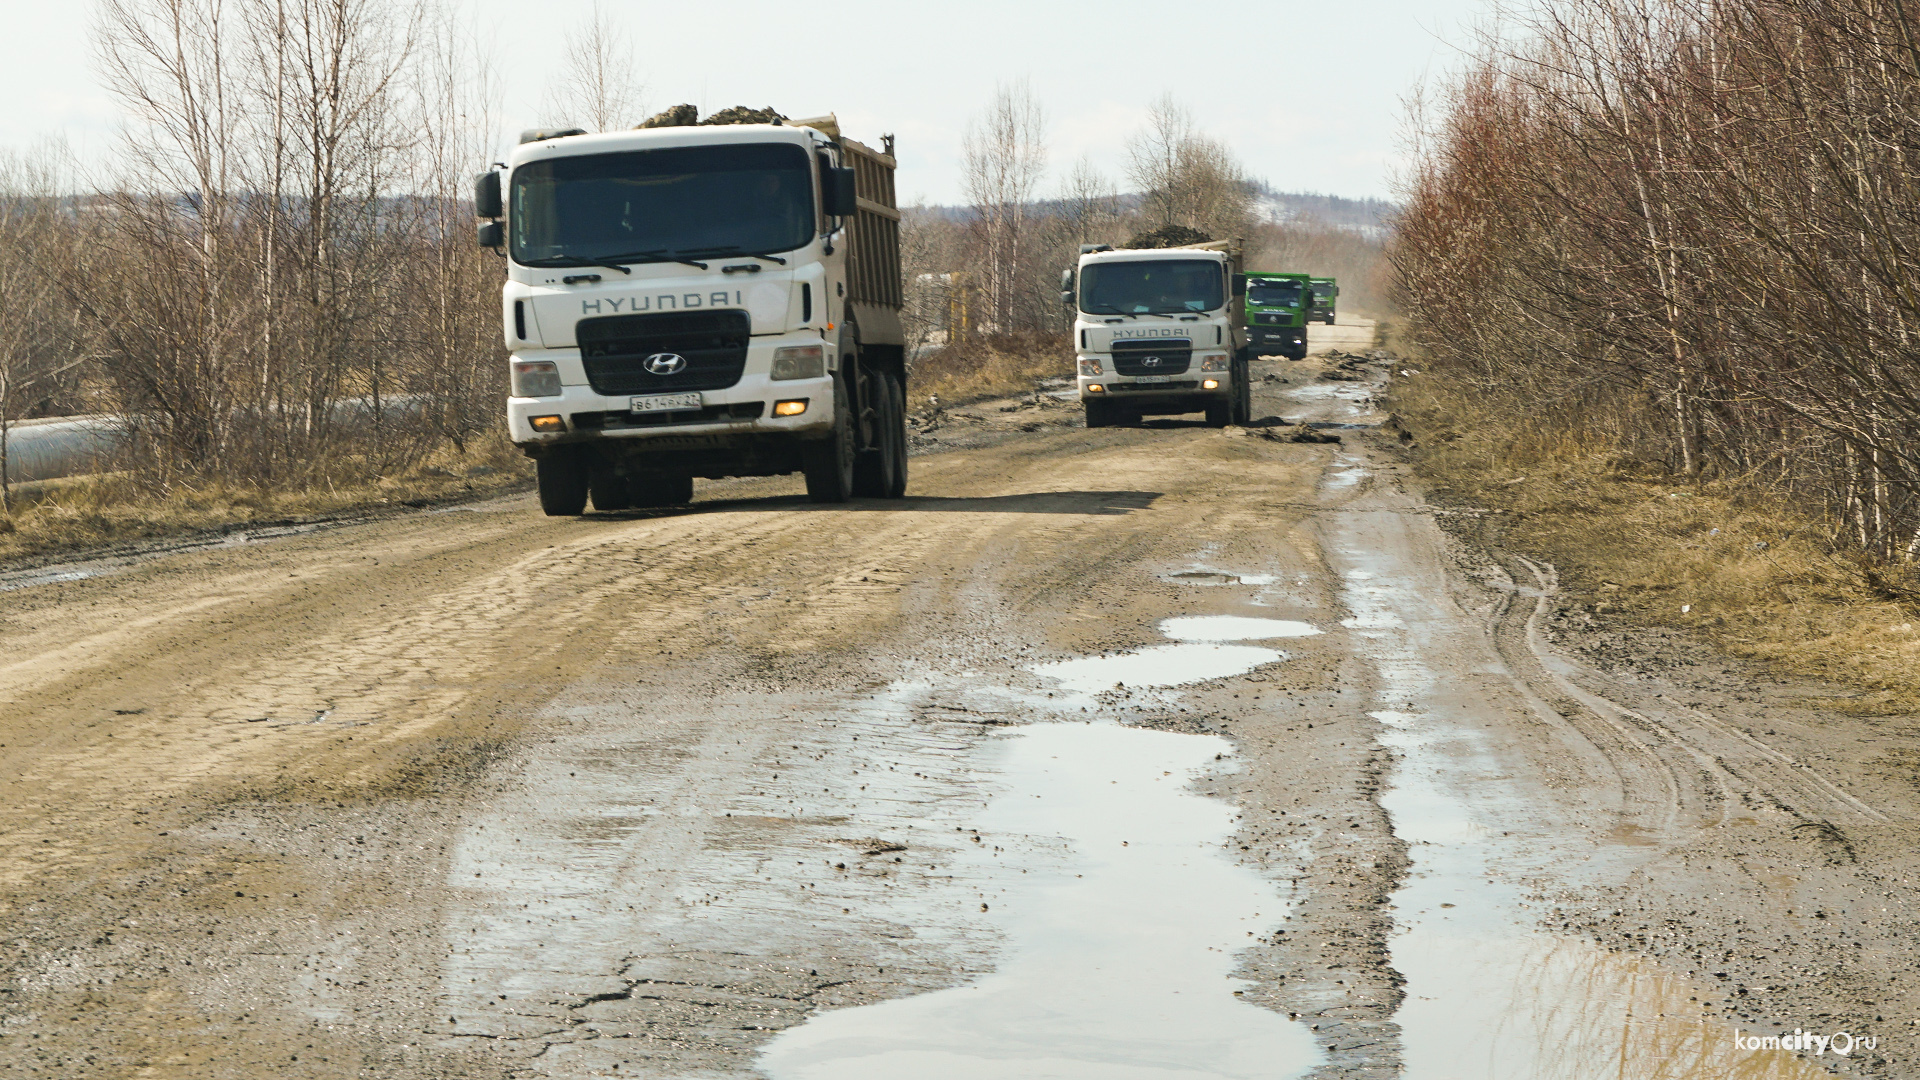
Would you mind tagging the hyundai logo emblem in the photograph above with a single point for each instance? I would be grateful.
(1151, 361)
(666, 363)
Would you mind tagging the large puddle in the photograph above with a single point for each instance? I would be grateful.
(1118, 958)
(1488, 996)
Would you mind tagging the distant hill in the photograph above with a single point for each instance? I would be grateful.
(1368, 217)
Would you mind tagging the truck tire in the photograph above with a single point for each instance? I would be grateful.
(897, 486)
(828, 462)
(880, 472)
(1242, 393)
(1101, 414)
(1220, 413)
(562, 477)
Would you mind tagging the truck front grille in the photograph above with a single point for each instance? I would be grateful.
(1151, 356)
(712, 345)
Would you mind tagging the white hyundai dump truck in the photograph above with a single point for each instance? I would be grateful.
(1159, 331)
(701, 301)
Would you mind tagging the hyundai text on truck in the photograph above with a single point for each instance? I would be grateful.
(1160, 331)
(701, 301)
(1277, 314)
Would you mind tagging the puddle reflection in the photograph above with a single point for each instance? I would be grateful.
(1118, 964)
(1158, 666)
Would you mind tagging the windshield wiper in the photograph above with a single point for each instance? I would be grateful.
(662, 256)
(1107, 309)
(575, 260)
(731, 250)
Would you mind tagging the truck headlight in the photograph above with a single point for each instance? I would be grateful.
(799, 362)
(1090, 367)
(536, 378)
(1216, 362)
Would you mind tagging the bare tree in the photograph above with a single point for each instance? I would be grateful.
(598, 85)
(1004, 156)
(1187, 178)
(37, 343)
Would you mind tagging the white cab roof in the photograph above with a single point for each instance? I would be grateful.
(660, 138)
(1144, 254)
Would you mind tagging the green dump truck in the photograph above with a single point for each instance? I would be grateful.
(1277, 314)
(1325, 291)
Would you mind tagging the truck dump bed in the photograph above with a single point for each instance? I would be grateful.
(873, 237)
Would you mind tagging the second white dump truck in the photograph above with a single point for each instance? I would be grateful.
(701, 301)
(1158, 331)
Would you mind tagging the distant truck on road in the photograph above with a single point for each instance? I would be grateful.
(1325, 292)
(701, 301)
(1160, 331)
(1277, 314)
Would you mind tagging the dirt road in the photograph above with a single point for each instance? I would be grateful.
(1152, 752)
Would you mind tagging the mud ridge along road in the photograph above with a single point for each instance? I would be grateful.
(1158, 752)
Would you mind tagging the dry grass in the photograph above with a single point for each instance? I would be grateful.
(1734, 562)
(989, 367)
(74, 514)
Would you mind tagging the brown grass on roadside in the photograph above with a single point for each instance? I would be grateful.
(73, 514)
(1737, 563)
(978, 368)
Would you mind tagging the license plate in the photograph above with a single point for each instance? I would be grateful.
(1154, 379)
(665, 402)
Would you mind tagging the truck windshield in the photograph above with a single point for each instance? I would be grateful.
(1152, 287)
(643, 205)
(1273, 293)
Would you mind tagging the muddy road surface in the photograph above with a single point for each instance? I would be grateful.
(1157, 752)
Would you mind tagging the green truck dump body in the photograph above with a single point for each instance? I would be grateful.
(1277, 314)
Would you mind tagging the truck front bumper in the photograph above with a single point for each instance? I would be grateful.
(1191, 391)
(747, 408)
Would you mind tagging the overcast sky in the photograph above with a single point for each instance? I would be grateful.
(1309, 94)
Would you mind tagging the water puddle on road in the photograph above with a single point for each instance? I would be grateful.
(1234, 628)
(1119, 961)
(1158, 666)
(1489, 996)
(1204, 651)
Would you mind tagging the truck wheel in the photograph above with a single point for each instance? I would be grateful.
(1101, 414)
(828, 462)
(1220, 413)
(1242, 394)
(876, 471)
(562, 478)
(897, 429)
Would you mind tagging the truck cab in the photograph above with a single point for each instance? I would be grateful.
(1160, 331)
(697, 301)
(1325, 292)
(1277, 314)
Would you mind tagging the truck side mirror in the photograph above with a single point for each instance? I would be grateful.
(838, 193)
(492, 234)
(1066, 297)
(1239, 284)
(486, 195)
